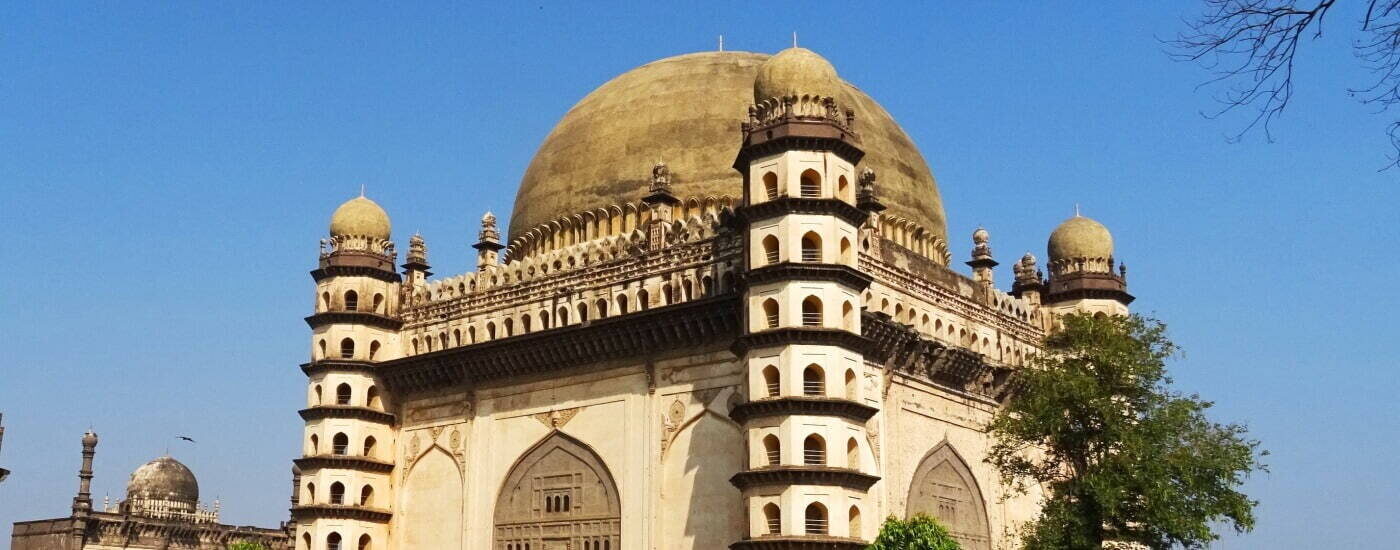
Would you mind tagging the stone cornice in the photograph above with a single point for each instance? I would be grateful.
(799, 134)
(329, 271)
(804, 475)
(354, 412)
(786, 336)
(799, 542)
(339, 365)
(904, 349)
(343, 462)
(340, 511)
(785, 205)
(789, 271)
(636, 334)
(353, 318)
(813, 406)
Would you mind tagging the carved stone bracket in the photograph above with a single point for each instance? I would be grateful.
(557, 418)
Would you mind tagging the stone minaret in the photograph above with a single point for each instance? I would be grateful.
(1029, 280)
(488, 244)
(982, 262)
(807, 482)
(82, 503)
(347, 460)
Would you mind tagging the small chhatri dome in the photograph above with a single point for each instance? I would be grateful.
(981, 236)
(360, 217)
(163, 479)
(796, 71)
(1080, 238)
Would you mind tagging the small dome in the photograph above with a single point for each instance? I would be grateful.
(90, 439)
(1080, 237)
(981, 236)
(360, 217)
(163, 479)
(796, 71)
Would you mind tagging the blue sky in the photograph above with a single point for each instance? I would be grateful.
(166, 171)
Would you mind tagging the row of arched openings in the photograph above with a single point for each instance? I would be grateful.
(813, 382)
(814, 518)
(350, 301)
(811, 249)
(809, 185)
(337, 494)
(334, 542)
(813, 451)
(344, 395)
(812, 315)
(347, 349)
(340, 445)
(579, 312)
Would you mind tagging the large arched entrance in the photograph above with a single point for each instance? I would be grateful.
(558, 496)
(944, 488)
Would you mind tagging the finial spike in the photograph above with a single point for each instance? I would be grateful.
(1076, 210)
(721, 42)
(362, 190)
(794, 39)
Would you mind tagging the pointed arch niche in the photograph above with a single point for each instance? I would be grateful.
(700, 508)
(944, 488)
(432, 502)
(559, 494)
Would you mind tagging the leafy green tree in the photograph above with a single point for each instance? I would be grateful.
(245, 545)
(917, 533)
(1122, 456)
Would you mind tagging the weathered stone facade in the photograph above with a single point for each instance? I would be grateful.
(776, 360)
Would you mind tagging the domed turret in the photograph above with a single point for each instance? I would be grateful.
(360, 217)
(795, 71)
(1080, 238)
(163, 479)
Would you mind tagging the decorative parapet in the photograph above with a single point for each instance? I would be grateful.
(775, 111)
(904, 350)
(354, 412)
(804, 475)
(804, 405)
(359, 246)
(343, 462)
(340, 511)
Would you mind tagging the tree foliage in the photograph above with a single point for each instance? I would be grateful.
(1251, 48)
(917, 533)
(1121, 455)
(246, 545)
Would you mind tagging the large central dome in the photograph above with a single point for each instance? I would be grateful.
(685, 111)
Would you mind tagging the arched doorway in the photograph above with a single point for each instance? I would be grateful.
(558, 496)
(944, 488)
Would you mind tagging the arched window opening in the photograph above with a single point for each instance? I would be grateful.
(456, 337)
(854, 523)
(707, 286)
(770, 185)
(847, 253)
(305, 541)
(347, 349)
(311, 493)
(317, 390)
(643, 300)
(315, 444)
(770, 313)
(352, 300)
(367, 496)
(814, 451)
(848, 316)
(772, 450)
(340, 444)
(337, 493)
(811, 247)
(688, 290)
(372, 398)
(770, 250)
(812, 312)
(771, 380)
(852, 454)
(509, 325)
(490, 331)
(843, 186)
(562, 315)
(369, 447)
(602, 306)
(378, 303)
(471, 335)
(811, 184)
(851, 386)
(582, 312)
(525, 322)
(342, 394)
(323, 349)
(622, 304)
(365, 542)
(428, 342)
(373, 349)
(333, 541)
(773, 517)
(816, 519)
(813, 381)
(415, 346)
(325, 301)
(666, 295)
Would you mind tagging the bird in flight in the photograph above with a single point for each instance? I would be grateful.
(185, 438)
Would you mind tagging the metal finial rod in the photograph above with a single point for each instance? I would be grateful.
(1076, 210)
(721, 42)
(794, 39)
(362, 190)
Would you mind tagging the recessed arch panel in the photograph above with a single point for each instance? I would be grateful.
(559, 494)
(944, 488)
